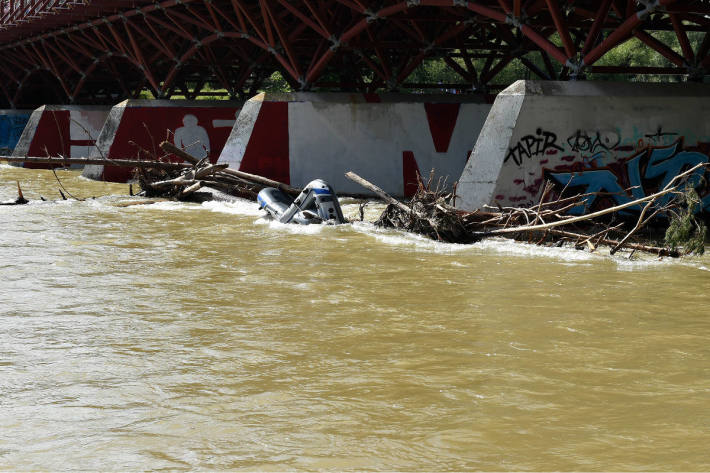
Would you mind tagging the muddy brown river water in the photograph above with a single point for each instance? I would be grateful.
(201, 337)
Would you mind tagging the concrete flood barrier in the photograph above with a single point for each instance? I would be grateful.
(297, 137)
(587, 137)
(12, 122)
(61, 130)
(201, 127)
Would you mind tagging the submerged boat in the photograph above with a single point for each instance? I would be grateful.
(317, 203)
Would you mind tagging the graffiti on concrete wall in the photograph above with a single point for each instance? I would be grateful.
(621, 166)
(658, 138)
(594, 141)
(633, 177)
(589, 145)
(11, 127)
(529, 146)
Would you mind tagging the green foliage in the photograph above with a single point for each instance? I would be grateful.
(684, 231)
(433, 71)
(632, 53)
(275, 83)
(220, 93)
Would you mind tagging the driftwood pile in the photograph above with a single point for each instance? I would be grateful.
(431, 213)
(160, 176)
(184, 183)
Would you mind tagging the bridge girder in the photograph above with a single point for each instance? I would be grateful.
(107, 50)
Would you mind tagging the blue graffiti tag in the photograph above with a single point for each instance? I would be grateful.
(592, 182)
(662, 165)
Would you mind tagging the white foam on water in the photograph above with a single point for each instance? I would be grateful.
(497, 245)
(642, 261)
(516, 248)
(67, 201)
(568, 254)
(623, 263)
(84, 178)
(565, 254)
(400, 238)
(106, 204)
(313, 229)
(237, 207)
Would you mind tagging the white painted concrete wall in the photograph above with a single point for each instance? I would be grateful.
(588, 126)
(330, 134)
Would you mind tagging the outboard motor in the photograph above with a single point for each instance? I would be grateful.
(315, 204)
(275, 202)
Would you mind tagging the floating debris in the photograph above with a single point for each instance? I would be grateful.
(185, 183)
(431, 212)
(20, 198)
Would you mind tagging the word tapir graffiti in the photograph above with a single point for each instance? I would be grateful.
(643, 173)
(529, 146)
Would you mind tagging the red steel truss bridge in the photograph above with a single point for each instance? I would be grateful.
(99, 51)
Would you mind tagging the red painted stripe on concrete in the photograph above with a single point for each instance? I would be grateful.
(410, 169)
(267, 151)
(145, 127)
(51, 137)
(442, 121)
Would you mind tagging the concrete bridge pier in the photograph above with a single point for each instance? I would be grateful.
(386, 138)
(61, 130)
(134, 129)
(587, 137)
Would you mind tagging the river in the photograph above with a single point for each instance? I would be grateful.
(202, 337)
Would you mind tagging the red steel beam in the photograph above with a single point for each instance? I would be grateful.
(682, 38)
(599, 20)
(664, 50)
(561, 26)
(619, 35)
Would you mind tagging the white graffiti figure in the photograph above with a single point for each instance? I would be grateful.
(192, 137)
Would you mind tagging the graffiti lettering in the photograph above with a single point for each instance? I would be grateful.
(661, 137)
(533, 145)
(645, 172)
(593, 142)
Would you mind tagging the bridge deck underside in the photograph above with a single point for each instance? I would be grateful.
(66, 51)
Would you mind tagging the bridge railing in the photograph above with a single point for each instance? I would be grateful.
(13, 12)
